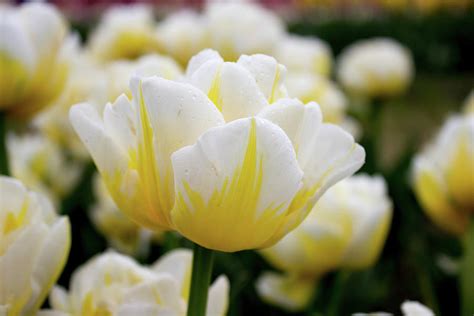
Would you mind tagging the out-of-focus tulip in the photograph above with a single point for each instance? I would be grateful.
(346, 229)
(304, 54)
(311, 87)
(378, 67)
(443, 175)
(121, 233)
(409, 308)
(119, 72)
(42, 165)
(412, 308)
(114, 284)
(182, 35)
(170, 160)
(86, 83)
(124, 32)
(34, 245)
(237, 28)
(34, 55)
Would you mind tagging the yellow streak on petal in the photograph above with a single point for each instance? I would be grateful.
(460, 175)
(214, 93)
(229, 221)
(13, 222)
(155, 190)
(273, 95)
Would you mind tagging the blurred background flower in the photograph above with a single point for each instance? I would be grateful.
(34, 56)
(346, 229)
(34, 246)
(114, 284)
(443, 175)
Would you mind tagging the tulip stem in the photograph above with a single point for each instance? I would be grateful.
(338, 293)
(4, 168)
(467, 273)
(201, 277)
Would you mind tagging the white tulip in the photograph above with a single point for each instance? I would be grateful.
(179, 154)
(34, 56)
(312, 87)
(34, 245)
(183, 35)
(37, 161)
(442, 175)
(124, 32)
(119, 72)
(237, 28)
(346, 229)
(304, 54)
(114, 284)
(378, 67)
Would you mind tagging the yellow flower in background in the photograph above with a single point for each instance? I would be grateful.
(40, 163)
(443, 175)
(304, 54)
(379, 67)
(237, 28)
(182, 35)
(177, 158)
(121, 233)
(114, 284)
(34, 56)
(118, 73)
(346, 229)
(124, 32)
(34, 245)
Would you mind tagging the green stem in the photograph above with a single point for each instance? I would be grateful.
(4, 167)
(201, 277)
(372, 134)
(338, 293)
(467, 273)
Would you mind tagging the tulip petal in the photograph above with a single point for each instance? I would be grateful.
(433, 195)
(178, 264)
(145, 310)
(268, 74)
(45, 26)
(218, 300)
(325, 152)
(200, 59)
(238, 179)
(372, 214)
(50, 262)
(91, 129)
(170, 115)
(230, 86)
(120, 123)
(286, 291)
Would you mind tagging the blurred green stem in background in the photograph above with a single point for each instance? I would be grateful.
(203, 259)
(467, 273)
(4, 167)
(337, 294)
(373, 129)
